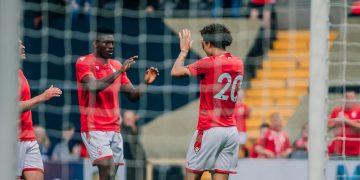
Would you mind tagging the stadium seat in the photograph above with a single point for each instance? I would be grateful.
(275, 93)
(297, 83)
(268, 83)
(295, 45)
(304, 64)
(261, 113)
(259, 101)
(287, 101)
(282, 74)
(288, 55)
(297, 35)
(278, 64)
(282, 81)
(254, 124)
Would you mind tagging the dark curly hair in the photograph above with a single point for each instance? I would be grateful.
(103, 31)
(217, 34)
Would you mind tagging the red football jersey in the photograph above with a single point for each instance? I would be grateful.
(352, 145)
(355, 8)
(277, 142)
(99, 111)
(242, 112)
(263, 2)
(26, 125)
(221, 77)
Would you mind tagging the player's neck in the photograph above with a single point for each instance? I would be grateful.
(101, 58)
(218, 51)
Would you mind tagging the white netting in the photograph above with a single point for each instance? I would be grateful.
(344, 138)
(56, 33)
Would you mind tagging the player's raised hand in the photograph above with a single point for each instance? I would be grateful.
(185, 40)
(151, 74)
(51, 92)
(127, 64)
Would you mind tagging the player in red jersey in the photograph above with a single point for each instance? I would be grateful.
(30, 164)
(100, 79)
(274, 143)
(215, 143)
(241, 114)
(346, 123)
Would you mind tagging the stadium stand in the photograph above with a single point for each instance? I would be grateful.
(282, 81)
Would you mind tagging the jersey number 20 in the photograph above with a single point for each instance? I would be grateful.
(234, 84)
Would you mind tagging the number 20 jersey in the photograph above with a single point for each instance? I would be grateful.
(220, 80)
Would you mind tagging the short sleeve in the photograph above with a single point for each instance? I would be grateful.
(124, 79)
(334, 114)
(287, 144)
(82, 69)
(200, 67)
(263, 138)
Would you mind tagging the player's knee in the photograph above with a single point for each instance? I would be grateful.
(33, 175)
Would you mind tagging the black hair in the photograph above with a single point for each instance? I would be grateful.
(68, 126)
(103, 31)
(264, 125)
(217, 34)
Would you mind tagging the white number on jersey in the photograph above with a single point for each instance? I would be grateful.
(235, 85)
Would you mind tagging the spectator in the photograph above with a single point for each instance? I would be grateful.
(355, 8)
(63, 151)
(275, 142)
(43, 141)
(79, 7)
(301, 145)
(133, 150)
(34, 13)
(218, 8)
(83, 151)
(266, 9)
(241, 114)
(346, 123)
(262, 129)
(152, 5)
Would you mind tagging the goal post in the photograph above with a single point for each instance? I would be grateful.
(319, 55)
(10, 13)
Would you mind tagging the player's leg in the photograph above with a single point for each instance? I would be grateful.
(105, 168)
(97, 144)
(21, 158)
(118, 152)
(33, 166)
(33, 175)
(193, 176)
(202, 152)
(227, 159)
(219, 176)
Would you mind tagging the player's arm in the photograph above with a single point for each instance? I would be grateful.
(265, 152)
(286, 153)
(287, 150)
(353, 123)
(332, 119)
(260, 149)
(132, 93)
(45, 96)
(185, 43)
(343, 119)
(92, 84)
